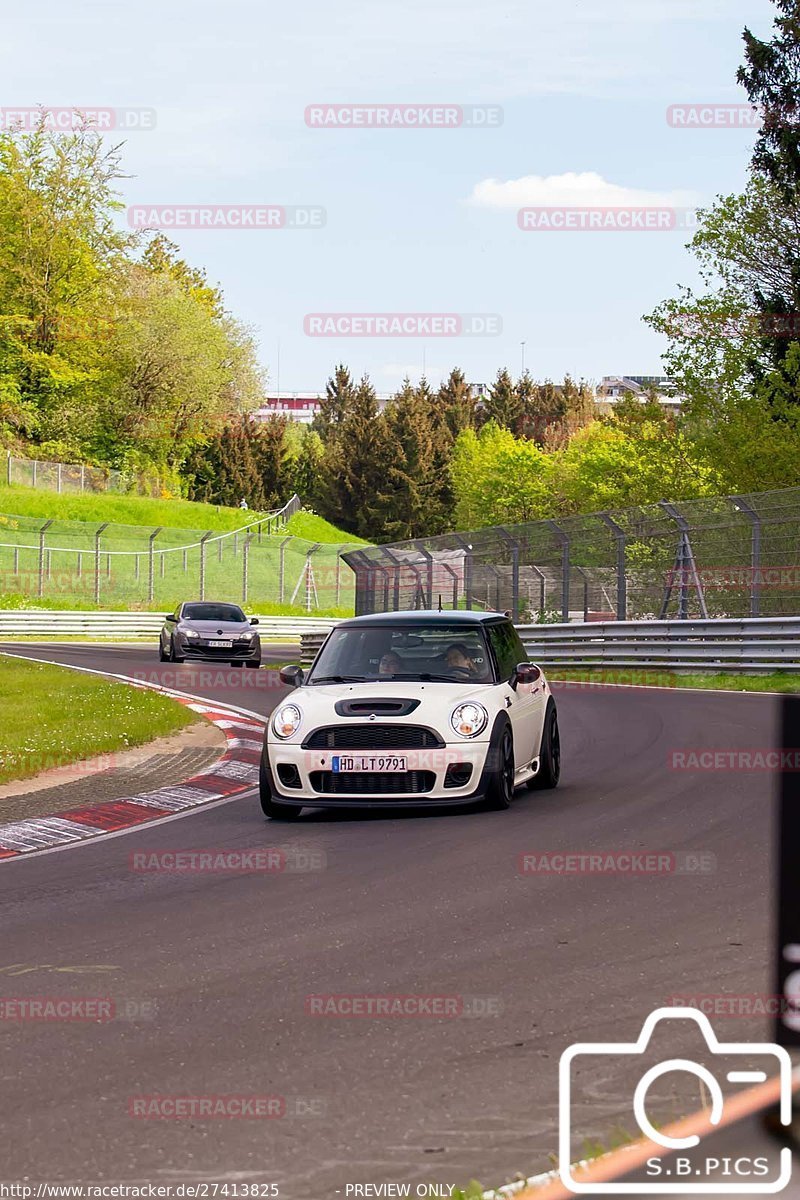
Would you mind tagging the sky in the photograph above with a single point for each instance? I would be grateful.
(570, 100)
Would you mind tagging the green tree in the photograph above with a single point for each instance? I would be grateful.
(355, 461)
(456, 402)
(502, 403)
(771, 78)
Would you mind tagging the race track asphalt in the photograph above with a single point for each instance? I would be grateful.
(210, 971)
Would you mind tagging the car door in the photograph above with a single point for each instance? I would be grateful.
(525, 702)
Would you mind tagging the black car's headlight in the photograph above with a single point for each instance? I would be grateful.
(470, 719)
(286, 720)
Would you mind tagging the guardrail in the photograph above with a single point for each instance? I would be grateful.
(759, 644)
(121, 625)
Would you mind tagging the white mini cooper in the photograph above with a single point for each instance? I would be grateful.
(411, 708)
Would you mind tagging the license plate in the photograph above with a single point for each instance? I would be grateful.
(222, 645)
(355, 764)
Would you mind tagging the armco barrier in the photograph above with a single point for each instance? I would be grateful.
(768, 644)
(764, 644)
(121, 625)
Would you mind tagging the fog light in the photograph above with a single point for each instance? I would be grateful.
(458, 775)
(289, 775)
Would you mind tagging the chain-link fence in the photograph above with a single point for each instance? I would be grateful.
(725, 556)
(72, 477)
(127, 566)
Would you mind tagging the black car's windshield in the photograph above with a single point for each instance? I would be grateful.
(213, 612)
(418, 653)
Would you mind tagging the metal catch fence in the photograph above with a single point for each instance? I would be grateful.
(729, 556)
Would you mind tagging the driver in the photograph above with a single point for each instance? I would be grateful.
(457, 656)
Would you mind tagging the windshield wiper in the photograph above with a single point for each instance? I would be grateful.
(338, 679)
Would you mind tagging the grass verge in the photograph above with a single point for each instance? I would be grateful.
(52, 716)
(778, 681)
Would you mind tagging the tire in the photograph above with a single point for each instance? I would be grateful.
(272, 808)
(549, 753)
(500, 787)
(173, 658)
(162, 657)
(253, 663)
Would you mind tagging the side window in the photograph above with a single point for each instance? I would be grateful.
(505, 644)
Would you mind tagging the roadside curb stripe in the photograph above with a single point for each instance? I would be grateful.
(235, 771)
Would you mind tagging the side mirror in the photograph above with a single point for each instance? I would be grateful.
(525, 672)
(169, 617)
(254, 620)
(292, 675)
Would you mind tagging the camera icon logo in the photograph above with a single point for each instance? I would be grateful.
(695, 1173)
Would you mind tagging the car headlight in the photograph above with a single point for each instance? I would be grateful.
(286, 720)
(190, 633)
(468, 720)
(249, 636)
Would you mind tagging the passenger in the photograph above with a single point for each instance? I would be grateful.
(457, 656)
(390, 664)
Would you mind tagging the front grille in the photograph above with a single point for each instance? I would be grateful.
(372, 783)
(373, 737)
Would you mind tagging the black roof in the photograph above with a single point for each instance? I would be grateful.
(427, 617)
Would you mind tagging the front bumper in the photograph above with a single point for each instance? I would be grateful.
(310, 771)
(200, 652)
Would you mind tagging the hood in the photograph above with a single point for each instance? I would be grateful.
(211, 627)
(436, 702)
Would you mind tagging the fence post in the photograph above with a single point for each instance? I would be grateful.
(686, 564)
(42, 530)
(514, 544)
(565, 568)
(622, 576)
(8, 467)
(151, 564)
(744, 506)
(245, 557)
(282, 567)
(97, 533)
(467, 548)
(203, 541)
(58, 478)
(396, 568)
(35, 465)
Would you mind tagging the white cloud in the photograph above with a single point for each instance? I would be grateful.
(573, 188)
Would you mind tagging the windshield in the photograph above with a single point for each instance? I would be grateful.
(213, 612)
(447, 654)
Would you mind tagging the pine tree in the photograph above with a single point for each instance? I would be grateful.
(457, 403)
(502, 403)
(339, 394)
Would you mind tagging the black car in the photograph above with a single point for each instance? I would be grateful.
(207, 631)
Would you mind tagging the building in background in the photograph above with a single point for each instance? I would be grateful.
(613, 388)
(300, 406)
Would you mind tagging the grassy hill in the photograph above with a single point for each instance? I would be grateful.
(238, 562)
